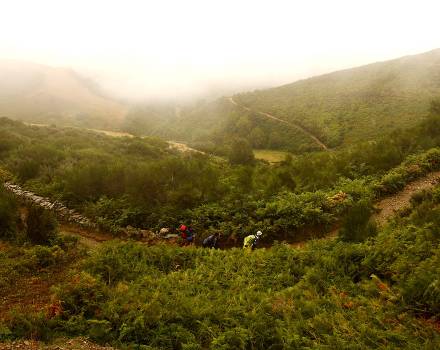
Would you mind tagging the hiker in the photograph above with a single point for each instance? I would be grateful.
(187, 234)
(251, 241)
(211, 241)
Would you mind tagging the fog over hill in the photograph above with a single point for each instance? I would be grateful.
(338, 107)
(359, 103)
(40, 93)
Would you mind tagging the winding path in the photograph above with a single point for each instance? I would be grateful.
(293, 125)
(388, 206)
(183, 147)
(85, 230)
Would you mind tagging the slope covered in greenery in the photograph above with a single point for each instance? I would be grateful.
(140, 182)
(369, 288)
(379, 293)
(356, 104)
(339, 108)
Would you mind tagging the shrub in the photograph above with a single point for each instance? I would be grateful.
(46, 256)
(241, 152)
(8, 215)
(357, 225)
(237, 338)
(421, 290)
(82, 295)
(41, 225)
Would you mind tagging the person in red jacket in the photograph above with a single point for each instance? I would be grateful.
(187, 234)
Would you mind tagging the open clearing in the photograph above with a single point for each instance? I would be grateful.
(270, 156)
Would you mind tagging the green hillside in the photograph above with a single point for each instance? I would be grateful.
(336, 109)
(356, 104)
(374, 286)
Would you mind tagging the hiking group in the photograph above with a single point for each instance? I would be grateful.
(187, 235)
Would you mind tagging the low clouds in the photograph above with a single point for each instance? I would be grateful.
(169, 49)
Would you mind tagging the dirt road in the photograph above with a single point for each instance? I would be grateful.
(293, 125)
(390, 205)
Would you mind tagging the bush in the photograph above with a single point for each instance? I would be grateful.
(241, 152)
(46, 256)
(421, 291)
(41, 225)
(8, 215)
(357, 224)
(82, 295)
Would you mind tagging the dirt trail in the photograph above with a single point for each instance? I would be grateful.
(293, 125)
(390, 205)
(182, 147)
(81, 227)
(87, 238)
(179, 146)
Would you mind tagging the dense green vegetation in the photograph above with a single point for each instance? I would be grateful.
(356, 104)
(212, 126)
(369, 288)
(187, 122)
(22, 230)
(339, 108)
(380, 293)
(32, 224)
(140, 182)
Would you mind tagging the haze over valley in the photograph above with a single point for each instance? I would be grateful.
(192, 175)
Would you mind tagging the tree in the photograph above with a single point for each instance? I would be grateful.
(357, 225)
(243, 126)
(241, 152)
(258, 138)
(41, 225)
(275, 139)
(435, 107)
(8, 215)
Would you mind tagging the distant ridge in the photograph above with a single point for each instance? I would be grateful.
(358, 103)
(39, 93)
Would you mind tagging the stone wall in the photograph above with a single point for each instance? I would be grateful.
(59, 209)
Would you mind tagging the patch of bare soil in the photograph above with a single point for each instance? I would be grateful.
(87, 238)
(30, 293)
(3, 246)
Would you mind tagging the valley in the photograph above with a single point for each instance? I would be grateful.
(340, 173)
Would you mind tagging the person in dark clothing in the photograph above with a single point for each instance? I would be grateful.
(211, 241)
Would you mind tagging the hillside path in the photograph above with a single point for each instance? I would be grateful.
(73, 223)
(88, 238)
(390, 205)
(293, 125)
(183, 147)
(387, 208)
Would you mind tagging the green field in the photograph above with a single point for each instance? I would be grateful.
(271, 156)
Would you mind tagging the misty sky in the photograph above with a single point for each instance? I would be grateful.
(168, 48)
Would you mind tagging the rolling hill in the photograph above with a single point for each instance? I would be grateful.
(44, 94)
(319, 113)
(355, 104)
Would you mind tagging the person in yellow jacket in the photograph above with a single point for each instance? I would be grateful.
(251, 241)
